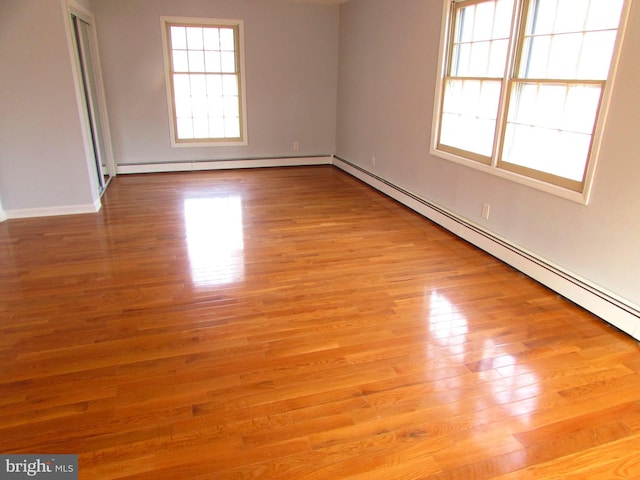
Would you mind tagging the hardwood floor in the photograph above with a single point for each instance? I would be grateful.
(294, 324)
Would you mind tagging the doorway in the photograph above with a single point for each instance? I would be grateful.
(93, 96)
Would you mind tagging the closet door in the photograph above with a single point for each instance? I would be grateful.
(96, 118)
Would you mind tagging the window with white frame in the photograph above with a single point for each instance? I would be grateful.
(205, 81)
(522, 86)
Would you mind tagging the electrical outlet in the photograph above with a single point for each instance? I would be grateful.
(296, 146)
(373, 160)
(486, 209)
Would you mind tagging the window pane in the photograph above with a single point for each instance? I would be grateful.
(211, 38)
(481, 142)
(214, 85)
(461, 57)
(497, 58)
(479, 63)
(483, 22)
(489, 98)
(194, 38)
(522, 109)
(228, 62)
(535, 64)
(581, 108)
(450, 125)
(183, 107)
(472, 97)
(553, 56)
(564, 55)
(196, 61)
(502, 22)
(549, 151)
(201, 127)
(469, 115)
(199, 107)
(230, 84)
(180, 61)
(198, 86)
(185, 128)
(216, 105)
(232, 127)
(178, 38)
(231, 108)
(227, 41)
(542, 18)
(453, 97)
(571, 15)
(604, 14)
(212, 61)
(464, 24)
(537, 104)
(597, 53)
(181, 86)
(216, 127)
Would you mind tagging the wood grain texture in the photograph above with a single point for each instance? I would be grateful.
(292, 323)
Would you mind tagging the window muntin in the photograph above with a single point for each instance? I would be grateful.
(205, 81)
(543, 121)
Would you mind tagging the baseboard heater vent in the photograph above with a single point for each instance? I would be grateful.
(223, 164)
(606, 305)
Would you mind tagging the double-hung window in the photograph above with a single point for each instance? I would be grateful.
(523, 84)
(205, 81)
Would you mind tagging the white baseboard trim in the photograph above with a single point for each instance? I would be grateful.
(54, 211)
(613, 309)
(223, 164)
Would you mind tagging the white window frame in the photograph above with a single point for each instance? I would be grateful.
(492, 167)
(238, 25)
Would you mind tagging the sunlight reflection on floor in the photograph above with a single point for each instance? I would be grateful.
(215, 239)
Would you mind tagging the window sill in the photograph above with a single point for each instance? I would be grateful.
(205, 143)
(578, 197)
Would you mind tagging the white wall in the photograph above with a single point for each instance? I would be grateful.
(291, 63)
(43, 165)
(387, 72)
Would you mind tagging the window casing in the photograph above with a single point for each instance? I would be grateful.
(523, 88)
(204, 69)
